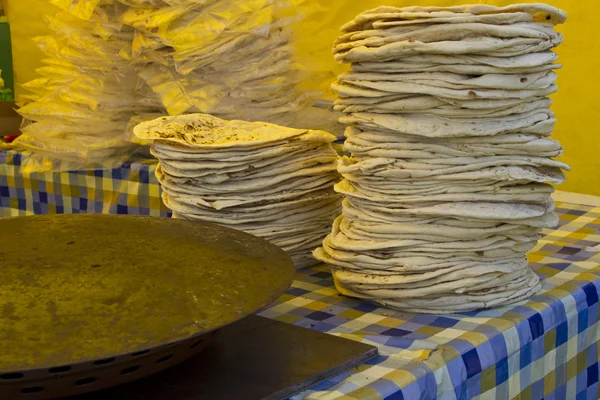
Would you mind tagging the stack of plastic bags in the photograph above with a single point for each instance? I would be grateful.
(80, 107)
(267, 180)
(447, 187)
(231, 59)
(114, 63)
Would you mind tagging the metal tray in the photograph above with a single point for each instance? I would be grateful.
(253, 359)
(92, 301)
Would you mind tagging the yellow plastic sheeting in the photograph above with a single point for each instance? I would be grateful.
(26, 18)
(576, 104)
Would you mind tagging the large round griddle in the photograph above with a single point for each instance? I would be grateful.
(91, 301)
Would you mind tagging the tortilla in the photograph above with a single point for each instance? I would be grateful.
(267, 180)
(448, 182)
(204, 131)
(540, 13)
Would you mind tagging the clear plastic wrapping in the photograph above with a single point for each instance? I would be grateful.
(80, 106)
(110, 63)
(228, 58)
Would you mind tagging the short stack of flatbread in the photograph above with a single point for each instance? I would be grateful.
(267, 180)
(448, 183)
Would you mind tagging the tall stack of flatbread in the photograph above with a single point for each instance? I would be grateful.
(79, 108)
(267, 180)
(230, 59)
(448, 183)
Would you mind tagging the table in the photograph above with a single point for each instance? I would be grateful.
(130, 189)
(546, 348)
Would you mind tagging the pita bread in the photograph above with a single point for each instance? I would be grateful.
(433, 106)
(539, 80)
(454, 68)
(486, 46)
(520, 289)
(531, 195)
(525, 61)
(428, 32)
(448, 182)
(540, 13)
(359, 88)
(207, 132)
(267, 180)
(549, 219)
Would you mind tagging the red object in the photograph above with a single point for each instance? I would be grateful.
(9, 139)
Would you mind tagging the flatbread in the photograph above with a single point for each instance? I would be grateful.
(485, 46)
(448, 182)
(267, 180)
(540, 13)
(207, 132)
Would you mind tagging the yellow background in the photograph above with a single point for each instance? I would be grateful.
(576, 104)
(26, 18)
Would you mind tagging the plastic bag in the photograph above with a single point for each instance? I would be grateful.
(138, 119)
(58, 154)
(83, 9)
(111, 63)
(228, 58)
(87, 93)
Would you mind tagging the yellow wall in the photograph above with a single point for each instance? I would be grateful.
(26, 18)
(576, 104)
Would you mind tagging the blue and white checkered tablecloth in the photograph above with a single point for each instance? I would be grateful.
(129, 189)
(546, 348)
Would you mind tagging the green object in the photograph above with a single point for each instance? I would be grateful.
(6, 61)
(77, 288)
(6, 95)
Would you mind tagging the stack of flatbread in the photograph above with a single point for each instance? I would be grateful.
(264, 179)
(80, 106)
(230, 59)
(448, 183)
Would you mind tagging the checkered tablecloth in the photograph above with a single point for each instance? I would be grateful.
(130, 189)
(546, 348)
